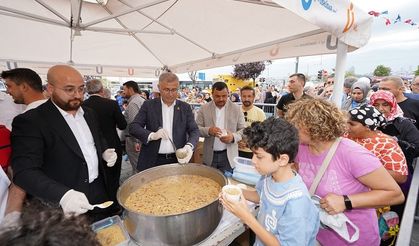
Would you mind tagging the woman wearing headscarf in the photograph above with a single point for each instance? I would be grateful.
(348, 185)
(401, 128)
(235, 97)
(358, 95)
(397, 126)
(363, 126)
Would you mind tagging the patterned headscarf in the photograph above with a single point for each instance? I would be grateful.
(387, 96)
(368, 116)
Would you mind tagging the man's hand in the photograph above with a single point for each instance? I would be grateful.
(187, 152)
(214, 131)
(228, 138)
(242, 144)
(160, 134)
(110, 156)
(74, 202)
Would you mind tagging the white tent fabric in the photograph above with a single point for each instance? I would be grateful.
(141, 37)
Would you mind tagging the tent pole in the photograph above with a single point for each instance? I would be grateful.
(342, 51)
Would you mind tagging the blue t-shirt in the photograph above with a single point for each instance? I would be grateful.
(286, 211)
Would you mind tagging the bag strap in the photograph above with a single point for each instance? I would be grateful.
(324, 166)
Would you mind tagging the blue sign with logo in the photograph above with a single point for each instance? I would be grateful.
(306, 4)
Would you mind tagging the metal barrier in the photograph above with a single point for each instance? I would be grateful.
(409, 216)
(269, 109)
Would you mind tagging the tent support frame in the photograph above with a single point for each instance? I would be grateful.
(341, 55)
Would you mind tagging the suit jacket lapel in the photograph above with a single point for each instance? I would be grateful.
(94, 130)
(61, 128)
(213, 114)
(226, 116)
(159, 112)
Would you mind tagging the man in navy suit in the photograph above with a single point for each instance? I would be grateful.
(59, 155)
(164, 125)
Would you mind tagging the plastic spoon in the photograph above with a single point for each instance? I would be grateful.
(103, 205)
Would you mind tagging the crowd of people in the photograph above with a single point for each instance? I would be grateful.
(63, 151)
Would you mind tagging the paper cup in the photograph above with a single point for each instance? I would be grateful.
(232, 193)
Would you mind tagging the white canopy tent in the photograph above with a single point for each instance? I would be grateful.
(141, 37)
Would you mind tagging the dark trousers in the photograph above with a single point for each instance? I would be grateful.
(220, 161)
(113, 175)
(98, 194)
(163, 159)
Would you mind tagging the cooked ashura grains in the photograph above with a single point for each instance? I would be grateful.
(173, 195)
(110, 236)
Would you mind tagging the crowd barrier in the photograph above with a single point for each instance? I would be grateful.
(410, 215)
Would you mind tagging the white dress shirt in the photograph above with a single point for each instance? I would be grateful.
(166, 146)
(84, 137)
(220, 123)
(34, 104)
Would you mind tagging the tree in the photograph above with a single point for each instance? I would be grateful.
(417, 72)
(250, 70)
(382, 70)
(192, 76)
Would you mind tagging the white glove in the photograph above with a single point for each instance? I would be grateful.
(74, 202)
(161, 133)
(184, 154)
(11, 219)
(110, 156)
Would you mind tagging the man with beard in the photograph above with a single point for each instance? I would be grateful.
(295, 86)
(58, 153)
(25, 86)
(251, 114)
(220, 122)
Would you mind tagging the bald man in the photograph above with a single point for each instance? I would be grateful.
(58, 152)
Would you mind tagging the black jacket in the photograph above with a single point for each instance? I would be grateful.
(47, 160)
(109, 116)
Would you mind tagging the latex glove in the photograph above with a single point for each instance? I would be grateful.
(185, 151)
(11, 219)
(160, 134)
(74, 202)
(110, 156)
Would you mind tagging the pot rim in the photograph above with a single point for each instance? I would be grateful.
(159, 167)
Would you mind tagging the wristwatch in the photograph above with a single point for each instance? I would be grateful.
(348, 203)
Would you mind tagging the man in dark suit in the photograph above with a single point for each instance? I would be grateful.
(109, 117)
(164, 125)
(58, 153)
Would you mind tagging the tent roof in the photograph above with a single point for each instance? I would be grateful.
(140, 37)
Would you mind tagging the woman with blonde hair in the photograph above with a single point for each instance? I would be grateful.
(352, 183)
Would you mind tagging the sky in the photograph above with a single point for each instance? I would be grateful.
(395, 46)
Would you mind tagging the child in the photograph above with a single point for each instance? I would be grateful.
(287, 215)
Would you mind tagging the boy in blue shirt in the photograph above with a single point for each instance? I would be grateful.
(287, 215)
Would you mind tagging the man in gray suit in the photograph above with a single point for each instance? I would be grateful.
(220, 122)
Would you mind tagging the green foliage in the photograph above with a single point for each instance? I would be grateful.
(250, 70)
(417, 72)
(382, 70)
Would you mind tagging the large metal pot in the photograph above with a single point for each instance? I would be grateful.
(181, 229)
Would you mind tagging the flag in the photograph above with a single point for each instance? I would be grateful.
(398, 19)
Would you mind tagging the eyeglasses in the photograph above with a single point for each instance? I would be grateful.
(245, 116)
(166, 90)
(71, 90)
